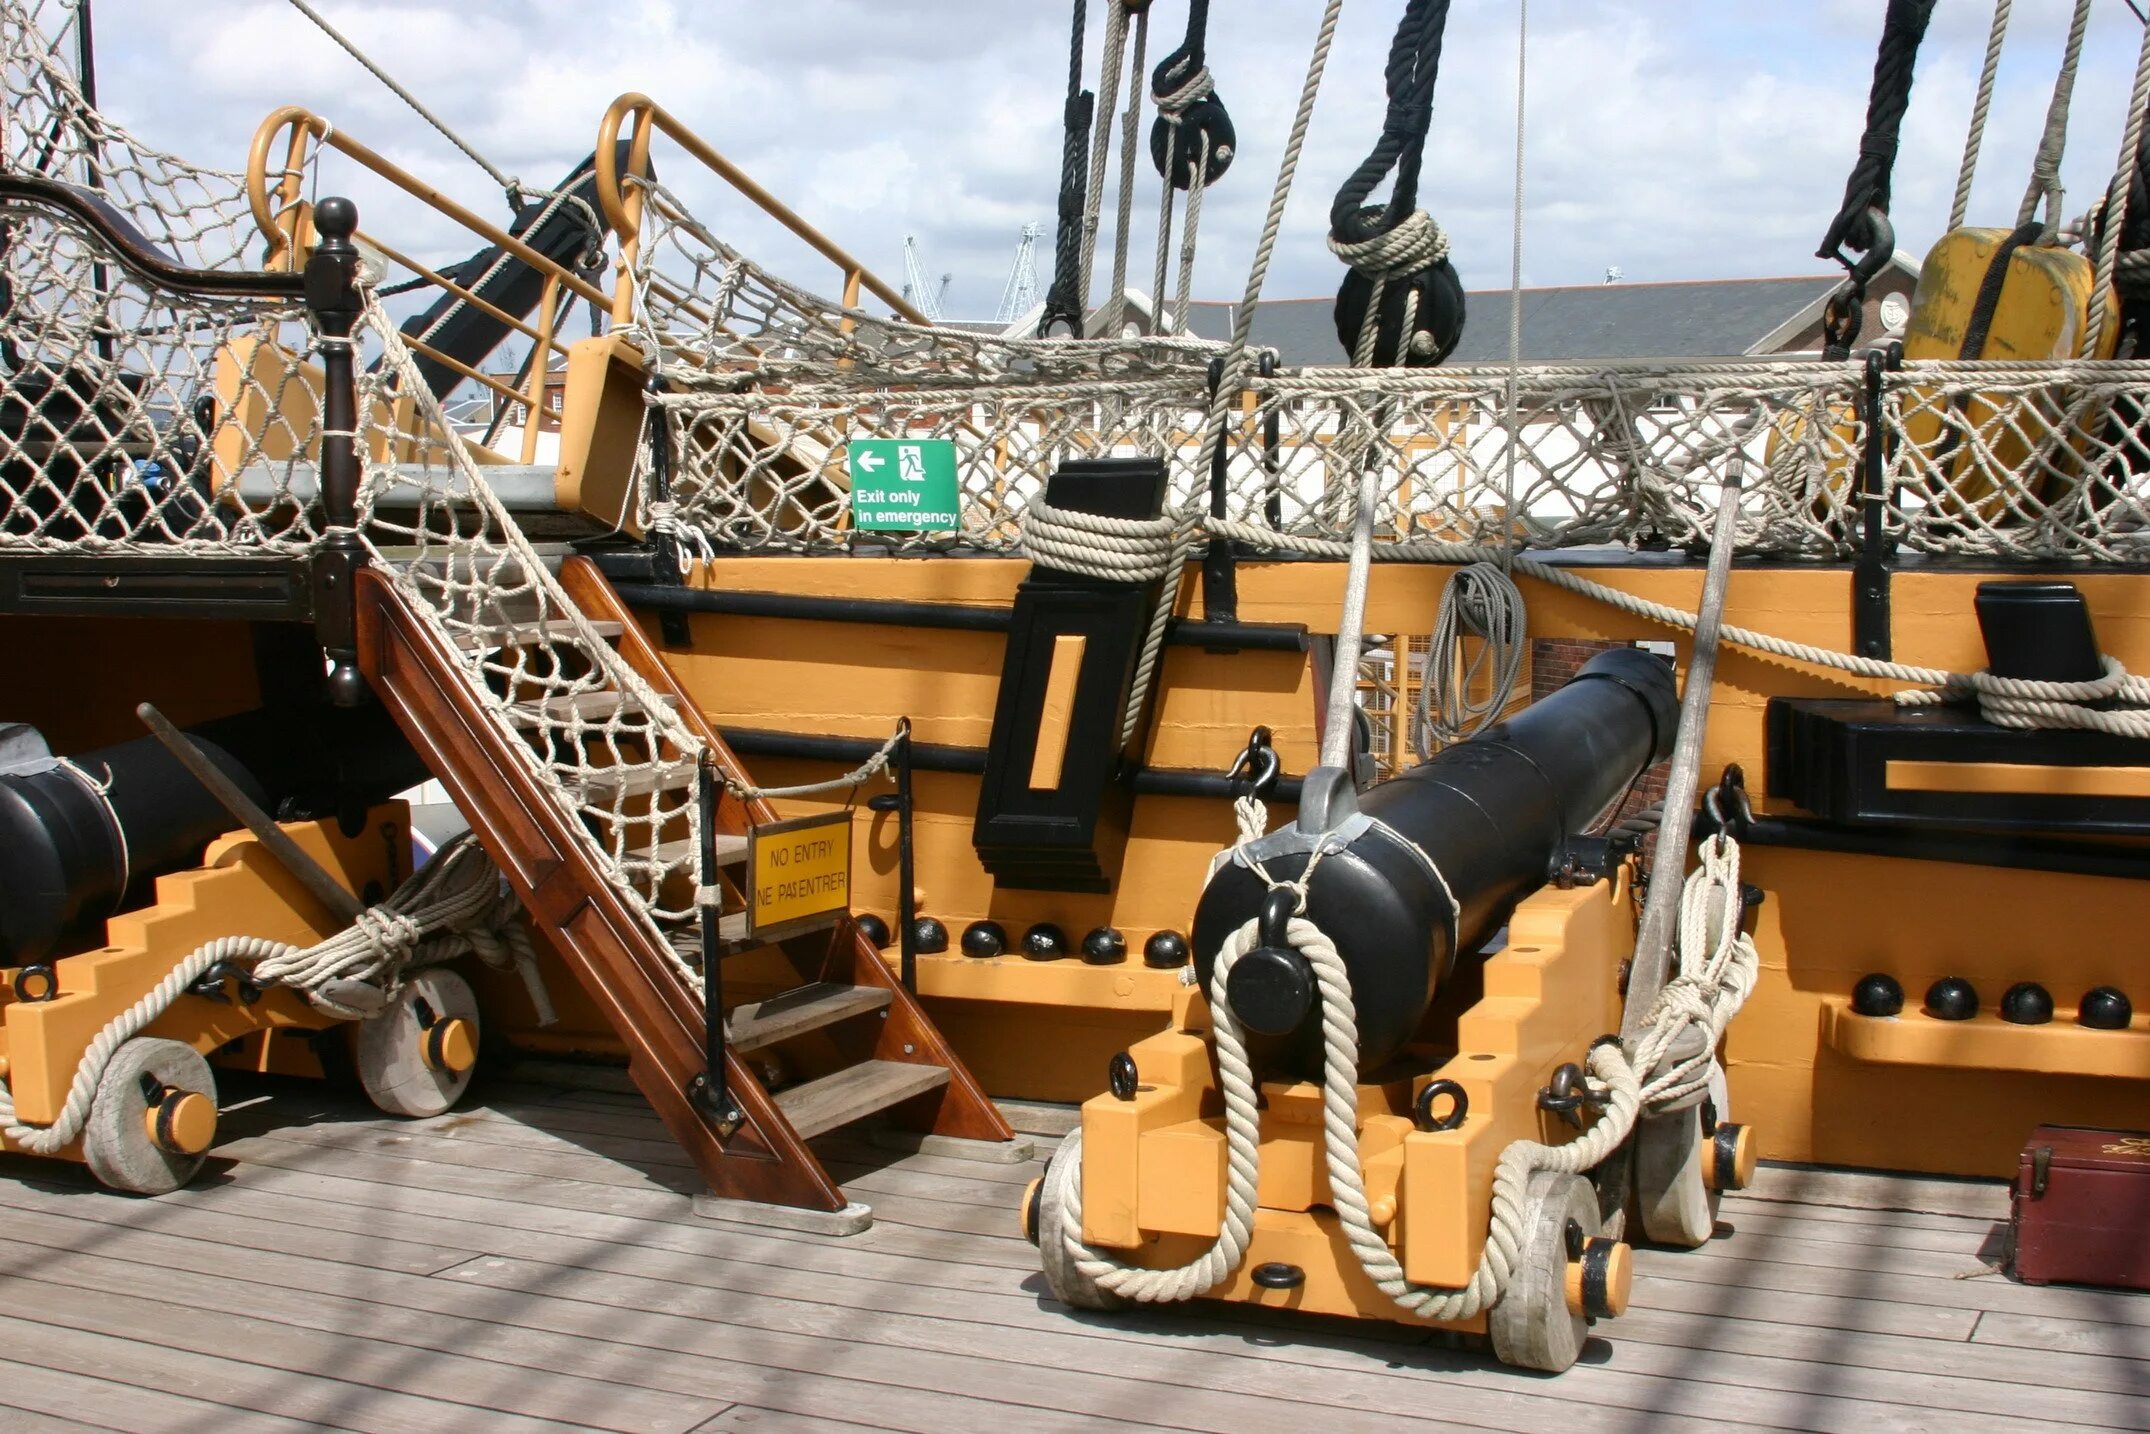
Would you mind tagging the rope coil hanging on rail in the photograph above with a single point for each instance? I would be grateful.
(1402, 303)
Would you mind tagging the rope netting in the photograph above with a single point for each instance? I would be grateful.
(600, 742)
(132, 415)
(2028, 463)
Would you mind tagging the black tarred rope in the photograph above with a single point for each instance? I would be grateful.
(1866, 192)
(1414, 61)
(1063, 306)
(1172, 71)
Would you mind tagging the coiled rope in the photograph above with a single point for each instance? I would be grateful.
(1128, 550)
(455, 904)
(1483, 602)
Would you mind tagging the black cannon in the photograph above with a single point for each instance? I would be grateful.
(1425, 867)
(76, 840)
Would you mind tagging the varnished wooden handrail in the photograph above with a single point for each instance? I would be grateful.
(132, 252)
(623, 209)
(278, 218)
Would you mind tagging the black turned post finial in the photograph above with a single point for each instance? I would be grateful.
(333, 298)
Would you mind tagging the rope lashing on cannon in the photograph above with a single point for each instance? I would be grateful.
(455, 905)
(1402, 303)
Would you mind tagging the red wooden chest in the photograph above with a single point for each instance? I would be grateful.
(2080, 1211)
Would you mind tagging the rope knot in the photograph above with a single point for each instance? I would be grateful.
(1173, 104)
(1416, 242)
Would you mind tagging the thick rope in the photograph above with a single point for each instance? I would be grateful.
(1718, 968)
(864, 772)
(1415, 242)
(1975, 136)
(1063, 304)
(2116, 198)
(1867, 187)
(2053, 140)
(454, 904)
(1479, 601)
(1108, 90)
(514, 187)
(1115, 302)
(1225, 397)
(1127, 550)
(2117, 703)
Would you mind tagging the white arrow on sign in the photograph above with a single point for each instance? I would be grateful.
(868, 462)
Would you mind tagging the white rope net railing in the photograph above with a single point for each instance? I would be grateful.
(2015, 463)
(133, 416)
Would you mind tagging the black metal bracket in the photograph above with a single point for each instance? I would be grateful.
(1871, 570)
(899, 801)
(664, 546)
(1220, 573)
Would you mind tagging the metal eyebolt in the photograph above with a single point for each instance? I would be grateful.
(1459, 1107)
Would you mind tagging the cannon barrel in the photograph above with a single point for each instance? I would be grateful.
(75, 843)
(1432, 862)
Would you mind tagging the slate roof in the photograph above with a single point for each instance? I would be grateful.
(1701, 318)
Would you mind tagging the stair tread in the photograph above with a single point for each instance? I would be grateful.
(731, 850)
(854, 1093)
(809, 1008)
(517, 634)
(641, 779)
(589, 706)
(733, 938)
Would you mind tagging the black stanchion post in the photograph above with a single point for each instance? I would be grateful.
(332, 296)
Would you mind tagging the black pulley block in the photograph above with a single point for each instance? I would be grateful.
(1175, 149)
(1436, 325)
(1271, 988)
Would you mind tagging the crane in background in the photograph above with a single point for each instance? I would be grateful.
(1020, 294)
(923, 295)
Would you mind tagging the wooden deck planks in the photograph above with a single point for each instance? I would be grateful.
(537, 1260)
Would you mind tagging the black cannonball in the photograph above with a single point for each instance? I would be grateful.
(984, 938)
(1104, 947)
(1045, 942)
(1877, 995)
(2105, 1008)
(1166, 950)
(1952, 999)
(2027, 1004)
(929, 936)
(874, 929)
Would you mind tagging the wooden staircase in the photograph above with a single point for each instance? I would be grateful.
(873, 1049)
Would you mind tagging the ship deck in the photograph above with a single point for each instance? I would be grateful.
(532, 1263)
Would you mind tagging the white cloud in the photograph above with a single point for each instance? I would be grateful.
(1673, 138)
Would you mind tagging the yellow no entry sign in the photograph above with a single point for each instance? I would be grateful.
(798, 869)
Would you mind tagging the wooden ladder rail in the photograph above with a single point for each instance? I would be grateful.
(613, 953)
(908, 1035)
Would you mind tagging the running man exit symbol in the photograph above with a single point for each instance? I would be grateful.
(904, 485)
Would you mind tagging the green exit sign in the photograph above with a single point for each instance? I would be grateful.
(904, 485)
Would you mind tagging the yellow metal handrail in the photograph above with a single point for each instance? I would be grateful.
(286, 222)
(623, 202)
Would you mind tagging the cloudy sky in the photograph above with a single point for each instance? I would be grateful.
(1675, 139)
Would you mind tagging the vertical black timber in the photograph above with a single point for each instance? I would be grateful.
(672, 623)
(1069, 837)
(1870, 570)
(1220, 574)
(332, 296)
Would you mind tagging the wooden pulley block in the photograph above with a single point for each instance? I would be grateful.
(153, 1117)
(1176, 150)
(415, 1057)
(1436, 319)
(1677, 1165)
(1537, 1324)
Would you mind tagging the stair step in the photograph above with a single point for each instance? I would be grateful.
(809, 1008)
(588, 706)
(854, 1093)
(647, 779)
(523, 633)
(734, 939)
(731, 851)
